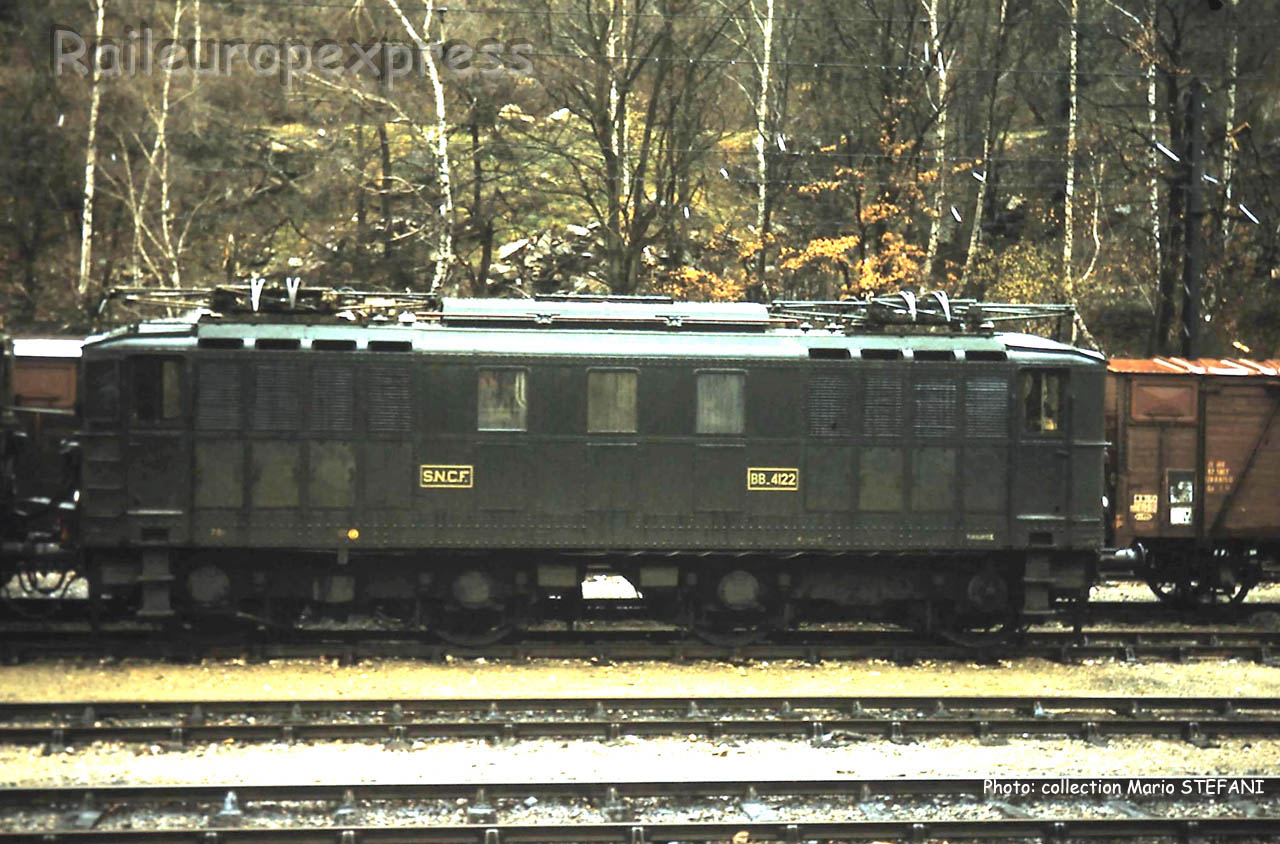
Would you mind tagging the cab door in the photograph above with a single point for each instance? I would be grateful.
(158, 475)
(1041, 500)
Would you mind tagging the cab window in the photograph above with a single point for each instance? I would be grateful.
(611, 401)
(157, 388)
(721, 402)
(1041, 393)
(502, 404)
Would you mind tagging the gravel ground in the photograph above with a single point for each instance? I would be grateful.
(729, 809)
(628, 760)
(467, 761)
(299, 679)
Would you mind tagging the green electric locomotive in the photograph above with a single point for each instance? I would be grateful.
(460, 466)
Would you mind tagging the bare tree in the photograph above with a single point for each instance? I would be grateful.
(1229, 130)
(942, 94)
(91, 152)
(988, 141)
(1069, 193)
(444, 243)
(765, 22)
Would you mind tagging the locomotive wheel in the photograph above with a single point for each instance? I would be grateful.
(727, 633)
(734, 615)
(475, 611)
(473, 629)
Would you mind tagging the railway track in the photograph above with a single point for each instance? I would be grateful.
(823, 720)
(351, 646)
(638, 812)
(1095, 612)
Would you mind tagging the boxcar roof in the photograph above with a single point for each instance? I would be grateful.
(1200, 366)
(46, 347)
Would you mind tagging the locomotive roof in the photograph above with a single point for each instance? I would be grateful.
(772, 341)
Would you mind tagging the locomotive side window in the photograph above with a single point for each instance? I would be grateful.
(611, 401)
(829, 400)
(102, 390)
(502, 401)
(721, 402)
(1041, 393)
(157, 388)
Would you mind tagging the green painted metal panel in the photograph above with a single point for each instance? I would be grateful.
(219, 480)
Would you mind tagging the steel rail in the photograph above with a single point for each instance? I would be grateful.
(229, 813)
(1004, 830)
(624, 645)
(819, 719)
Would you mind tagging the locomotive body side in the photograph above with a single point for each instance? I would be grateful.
(444, 472)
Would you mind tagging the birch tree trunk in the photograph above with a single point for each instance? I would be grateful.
(1233, 62)
(1153, 159)
(91, 154)
(988, 142)
(763, 131)
(940, 190)
(1068, 200)
(162, 150)
(617, 154)
(444, 244)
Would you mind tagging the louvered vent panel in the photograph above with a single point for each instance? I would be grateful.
(333, 401)
(388, 398)
(275, 396)
(935, 407)
(986, 407)
(829, 406)
(218, 397)
(882, 413)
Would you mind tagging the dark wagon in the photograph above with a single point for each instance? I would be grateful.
(45, 376)
(464, 466)
(1195, 472)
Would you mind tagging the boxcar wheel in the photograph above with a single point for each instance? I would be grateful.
(1188, 580)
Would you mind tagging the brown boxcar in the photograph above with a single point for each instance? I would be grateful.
(1193, 471)
(45, 371)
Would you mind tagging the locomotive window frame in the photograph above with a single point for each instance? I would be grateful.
(155, 389)
(1042, 400)
(491, 415)
(721, 410)
(612, 407)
